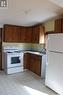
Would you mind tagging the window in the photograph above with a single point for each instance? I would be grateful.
(3, 3)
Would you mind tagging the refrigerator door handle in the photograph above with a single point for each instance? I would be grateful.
(56, 52)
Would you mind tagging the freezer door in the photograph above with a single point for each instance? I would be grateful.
(55, 42)
(54, 72)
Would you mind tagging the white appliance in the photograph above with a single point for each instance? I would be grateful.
(12, 60)
(54, 67)
(43, 66)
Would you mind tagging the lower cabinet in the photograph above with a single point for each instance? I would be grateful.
(33, 63)
(26, 61)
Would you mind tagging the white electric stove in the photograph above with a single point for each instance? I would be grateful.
(13, 60)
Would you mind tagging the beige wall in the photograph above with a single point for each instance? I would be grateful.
(25, 46)
(20, 45)
(49, 25)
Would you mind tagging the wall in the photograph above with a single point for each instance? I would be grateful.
(37, 47)
(49, 25)
(25, 46)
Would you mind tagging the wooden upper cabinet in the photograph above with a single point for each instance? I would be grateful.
(59, 25)
(42, 35)
(10, 33)
(32, 34)
(18, 34)
(0, 48)
(7, 34)
(62, 25)
(38, 34)
(14, 33)
(22, 34)
(35, 34)
(28, 34)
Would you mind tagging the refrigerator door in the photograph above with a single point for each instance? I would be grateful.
(54, 72)
(55, 42)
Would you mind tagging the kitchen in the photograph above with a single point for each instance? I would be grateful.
(25, 45)
(19, 50)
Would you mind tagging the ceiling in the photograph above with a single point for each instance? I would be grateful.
(29, 12)
(58, 2)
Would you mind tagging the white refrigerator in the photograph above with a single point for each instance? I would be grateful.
(54, 65)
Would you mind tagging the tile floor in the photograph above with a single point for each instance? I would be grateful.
(25, 83)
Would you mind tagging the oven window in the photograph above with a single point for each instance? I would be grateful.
(15, 60)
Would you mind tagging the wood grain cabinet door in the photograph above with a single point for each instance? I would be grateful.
(22, 34)
(8, 33)
(38, 34)
(62, 25)
(27, 61)
(35, 34)
(18, 35)
(0, 48)
(35, 65)
(32, 63)
(28, 35)
(38, 65)
(58, 25)
(11, 33)
(15, 34)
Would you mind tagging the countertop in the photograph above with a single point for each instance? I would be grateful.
(27, 51)
(35, 52)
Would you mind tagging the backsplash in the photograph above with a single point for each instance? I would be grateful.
(25, 46)
(37, 47)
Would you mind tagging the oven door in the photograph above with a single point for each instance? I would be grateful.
(15, 59)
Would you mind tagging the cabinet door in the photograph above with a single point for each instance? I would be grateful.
(38, 34)
(22, 34)
(38, 65)
(27, 61)
(32, 63)
(42, 34)
(62, 25)
(35, 65)
(58, 25)
(10, 33)
(35, 34)
(28, 35)
(0, 48)
(17, 34)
